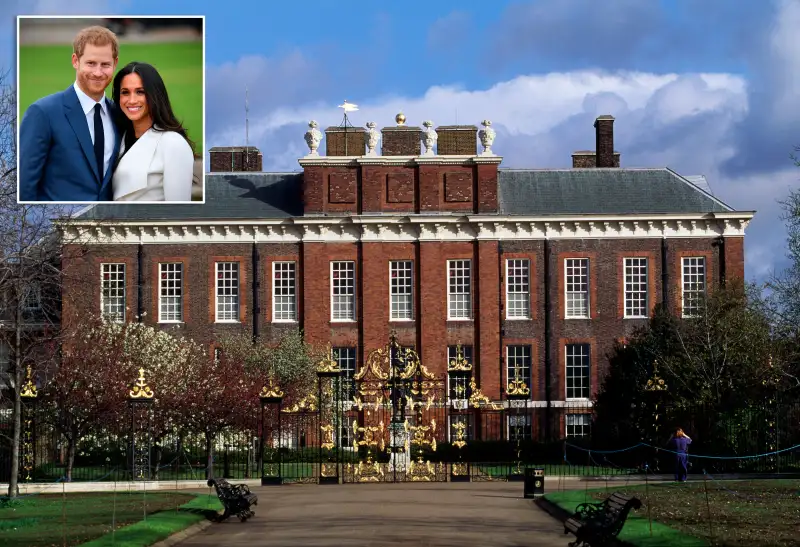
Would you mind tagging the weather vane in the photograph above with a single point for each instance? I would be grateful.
(347, 107)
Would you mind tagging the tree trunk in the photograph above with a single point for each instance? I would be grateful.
(209, 455)
(13, 479)
(157, 459)
(71, 443)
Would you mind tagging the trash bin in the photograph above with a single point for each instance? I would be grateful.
(534, 482)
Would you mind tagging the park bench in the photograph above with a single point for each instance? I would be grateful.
(236, 499)
(597, 524)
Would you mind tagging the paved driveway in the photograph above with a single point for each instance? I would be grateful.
(410, 514)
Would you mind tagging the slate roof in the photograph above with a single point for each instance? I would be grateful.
(601, 191)
(228, 196)
(529, 192)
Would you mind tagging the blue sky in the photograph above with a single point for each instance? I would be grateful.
(702, 86)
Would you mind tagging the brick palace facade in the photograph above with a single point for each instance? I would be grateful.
(535, 272)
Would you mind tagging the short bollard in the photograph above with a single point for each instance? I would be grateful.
(534, 482)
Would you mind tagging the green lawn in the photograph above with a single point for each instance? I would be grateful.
(74, 519)
(46, 69)
(758, 513)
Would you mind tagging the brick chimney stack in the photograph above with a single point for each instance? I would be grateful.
(235, 158)
(604, 135)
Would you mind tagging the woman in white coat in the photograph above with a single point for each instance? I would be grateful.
(156, 159)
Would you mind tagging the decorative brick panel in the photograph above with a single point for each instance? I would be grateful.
(458, 187)
(400, 187)
(342, 187)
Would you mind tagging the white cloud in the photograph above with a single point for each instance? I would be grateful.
(680, 121)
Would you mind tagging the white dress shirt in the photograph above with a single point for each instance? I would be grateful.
(88, 104)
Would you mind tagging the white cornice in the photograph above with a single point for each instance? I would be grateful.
(397, 228)
(407, 161)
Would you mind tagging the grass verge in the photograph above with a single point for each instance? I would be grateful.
(161, 525)
(129, 518)
(753, 513)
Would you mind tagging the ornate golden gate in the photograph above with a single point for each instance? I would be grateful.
(397, 415)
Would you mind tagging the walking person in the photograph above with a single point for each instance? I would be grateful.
(680, 442)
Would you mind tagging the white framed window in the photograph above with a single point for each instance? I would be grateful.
(32, 301)
(578, 425)
(227, 292)
(457, 385)
(636, 287)
(459, 289)
(400, 290)
(693, 284)
(170, 292)
(112, 292)
(346, 359)
(519, 426)
(284, 292)
(343, 291)
(576, 274)
(578, 361)
(455, 419)
(518, 365)
(518, 292)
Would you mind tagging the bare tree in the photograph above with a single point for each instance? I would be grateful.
(31, 277)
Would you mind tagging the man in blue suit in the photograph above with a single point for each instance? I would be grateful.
(68, 141)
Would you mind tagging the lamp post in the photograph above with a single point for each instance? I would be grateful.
(140, 401)
(271, 395)
(28, 394)
(459, 372)
(328, 371)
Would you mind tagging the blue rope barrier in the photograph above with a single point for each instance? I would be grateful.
(795, 447)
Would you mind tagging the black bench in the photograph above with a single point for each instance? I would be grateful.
(596, 524)
(236, 499)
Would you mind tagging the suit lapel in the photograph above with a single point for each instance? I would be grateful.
(77, 119)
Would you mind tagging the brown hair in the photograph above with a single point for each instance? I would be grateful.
(97, 36)
(680, 433)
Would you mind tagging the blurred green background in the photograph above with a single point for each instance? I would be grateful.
(46, 69)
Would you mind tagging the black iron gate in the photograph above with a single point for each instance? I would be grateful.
(397, 416)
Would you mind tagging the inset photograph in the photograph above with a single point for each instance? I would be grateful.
(110, 109)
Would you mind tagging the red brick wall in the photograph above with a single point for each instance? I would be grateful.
(400, 188)
(734, 258)
(430, 332)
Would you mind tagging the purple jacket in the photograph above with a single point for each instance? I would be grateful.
(681, 444)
